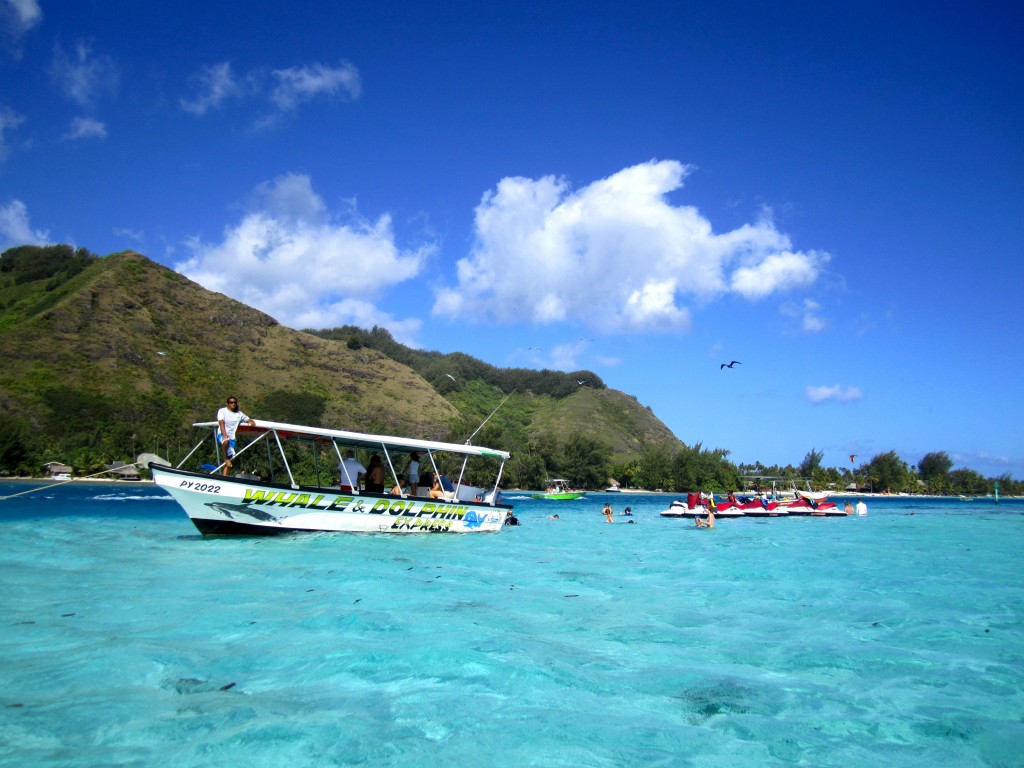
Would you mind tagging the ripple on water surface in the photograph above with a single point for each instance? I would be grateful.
(893, 639)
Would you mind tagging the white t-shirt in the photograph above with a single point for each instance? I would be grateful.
(231, 420)
(414, 471)
(355, 469)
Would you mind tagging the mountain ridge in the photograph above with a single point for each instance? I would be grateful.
(103, 351)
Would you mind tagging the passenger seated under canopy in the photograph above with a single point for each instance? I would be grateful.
(442, 487)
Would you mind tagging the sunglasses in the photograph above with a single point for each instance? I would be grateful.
(232, 402)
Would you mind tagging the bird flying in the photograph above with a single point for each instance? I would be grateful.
(450, 376)
(852, 457)
(729, 365)
(581, 383)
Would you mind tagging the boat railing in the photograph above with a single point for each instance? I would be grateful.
(489, 497)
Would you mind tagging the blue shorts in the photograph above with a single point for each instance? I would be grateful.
(231, 445)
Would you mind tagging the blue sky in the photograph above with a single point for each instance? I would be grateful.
(830, 193)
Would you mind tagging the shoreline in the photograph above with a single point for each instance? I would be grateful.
(78, 480)
(45, 481)
(840, 494)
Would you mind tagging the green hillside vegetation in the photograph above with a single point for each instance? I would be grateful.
(553, 424)
(107, 357)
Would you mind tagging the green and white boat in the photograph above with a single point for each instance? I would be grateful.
(559, 490)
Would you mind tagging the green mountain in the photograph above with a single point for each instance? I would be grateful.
(107, 357)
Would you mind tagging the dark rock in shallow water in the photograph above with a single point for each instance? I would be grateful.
(724, 697)
(188, 685)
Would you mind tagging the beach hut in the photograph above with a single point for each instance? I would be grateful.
(122, 471)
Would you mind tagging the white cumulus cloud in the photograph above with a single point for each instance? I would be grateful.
(129, 233)
(808, 313)
(775, 272)
(834, 393)
(17, 17)
(564, 356)
(615, 255)
(214, 85)
(812, 321)
(298, 84)
(83, 76)
(86, 128)
(22, 15)
(15, 229)
(284, 89)
(291, 257)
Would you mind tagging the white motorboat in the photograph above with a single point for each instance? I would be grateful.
(218, 504)
(559, 490)
(678, 508)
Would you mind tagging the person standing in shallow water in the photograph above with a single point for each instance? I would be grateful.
(228, 419)
(609, 516)
(709, 522)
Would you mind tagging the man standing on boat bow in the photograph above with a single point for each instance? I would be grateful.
(228, 419)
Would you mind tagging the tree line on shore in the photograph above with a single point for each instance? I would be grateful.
(585, 463)
(92, 431)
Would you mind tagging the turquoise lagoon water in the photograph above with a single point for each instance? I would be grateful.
(896, 639)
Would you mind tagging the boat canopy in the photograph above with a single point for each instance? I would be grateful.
(358, 439)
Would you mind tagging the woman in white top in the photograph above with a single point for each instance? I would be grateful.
(414, 472)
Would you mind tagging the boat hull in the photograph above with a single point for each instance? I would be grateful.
(680, 510)
(698, 513)
(803, 509)
(564, 496)
(232, 506)
(756, 509)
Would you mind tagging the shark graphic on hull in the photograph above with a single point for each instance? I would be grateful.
(230, 510)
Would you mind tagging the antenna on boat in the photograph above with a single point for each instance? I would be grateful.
(470, 438)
